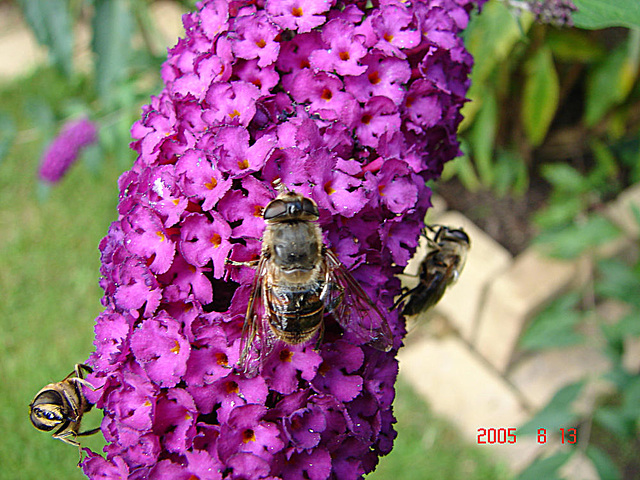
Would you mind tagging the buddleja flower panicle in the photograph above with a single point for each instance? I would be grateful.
(350, 105)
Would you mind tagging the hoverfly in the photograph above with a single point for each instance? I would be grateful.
(298, 280)
(61, 405)
(441, 268)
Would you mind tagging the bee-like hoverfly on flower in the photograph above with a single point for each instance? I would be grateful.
(61, 405)
(298, 281)
(441, 268)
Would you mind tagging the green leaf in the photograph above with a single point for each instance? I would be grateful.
(610, 82)
(606, 169)
(112, 31)
(559, 212)
(556, 414)
(573, 240)
(511, 173)
(51, 23)
(7, 134)
(540, 96)
(545, 468)
(614, 420)
(631, 402)
(617, 280)
(628, 152)
(554, 326)
(573, 45)
(490, 37)
(627, 326)
(564, 178)
(596, 14)
(606, 469)
(482, 138)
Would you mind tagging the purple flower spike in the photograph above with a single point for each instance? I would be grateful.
(352, 104)
(65, 148)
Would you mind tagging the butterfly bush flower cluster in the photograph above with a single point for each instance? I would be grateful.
(352, 104)
(65, 148)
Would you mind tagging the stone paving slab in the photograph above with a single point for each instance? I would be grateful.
(514, 297)
(466, 391)
(619, 211)
(539, 376)
(579, 467)
(19, 51)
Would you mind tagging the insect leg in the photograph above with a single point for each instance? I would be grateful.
(64, 436)
(406, 292)
(86, 433)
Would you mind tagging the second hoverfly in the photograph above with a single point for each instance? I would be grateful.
(298, 280)
(61, 405)
(441, 268)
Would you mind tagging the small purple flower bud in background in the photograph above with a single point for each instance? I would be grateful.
(65, 148)
(552, 12)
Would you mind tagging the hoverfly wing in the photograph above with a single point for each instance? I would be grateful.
(352, 307)
(256, 342)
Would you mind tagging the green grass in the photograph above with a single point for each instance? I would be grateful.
(49, 293)
(49, 297)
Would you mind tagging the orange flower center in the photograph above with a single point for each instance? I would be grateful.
(212, 184)
(248, 436)
(374, 78)
(286, 355)
(232, 387)
(243, 164)
(222, 359)
(328, 188)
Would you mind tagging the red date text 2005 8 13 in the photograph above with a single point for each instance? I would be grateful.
(508, 435)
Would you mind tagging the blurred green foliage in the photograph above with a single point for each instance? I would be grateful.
(529, 77)
(561, 106)
(127, 49)
(612, 428)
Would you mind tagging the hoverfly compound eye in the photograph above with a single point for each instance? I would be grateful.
(275, 209)
(310, 208)
(459, 235)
